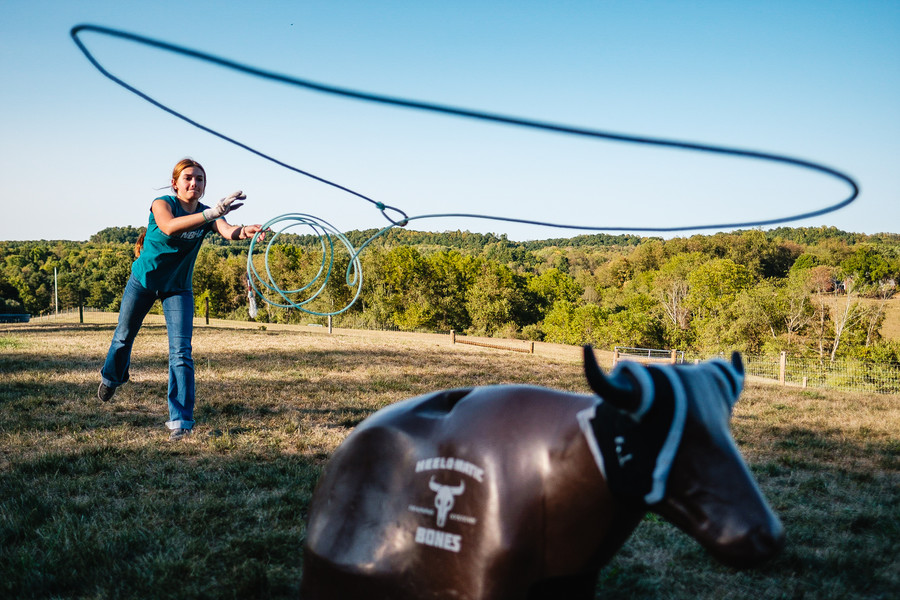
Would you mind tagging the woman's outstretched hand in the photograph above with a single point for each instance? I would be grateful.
(224, 206)
(248, 231)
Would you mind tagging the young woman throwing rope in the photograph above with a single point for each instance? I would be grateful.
(164, 271)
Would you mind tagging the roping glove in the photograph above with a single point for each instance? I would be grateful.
(224, 206)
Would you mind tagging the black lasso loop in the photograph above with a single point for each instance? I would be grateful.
(470, 114)
(403, 222)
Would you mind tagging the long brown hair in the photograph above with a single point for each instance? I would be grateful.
(139, 245)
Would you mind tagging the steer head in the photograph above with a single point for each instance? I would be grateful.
(445, 497)
(662, 437)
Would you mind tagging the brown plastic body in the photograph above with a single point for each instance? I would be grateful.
(526, 510)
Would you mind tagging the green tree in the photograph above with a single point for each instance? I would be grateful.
(496, 300)
(758, 316)
(867, 266)
(634, 324)
(805, 261)
(570, 323)
(209, 284)
(118, 235)
(796, 305)
(714, 288)
(821, 283)
(452, 275)
(670, 287)
(408, 275)
(10, 302)
(553, 285)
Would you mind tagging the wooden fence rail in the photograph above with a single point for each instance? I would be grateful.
(528, 349)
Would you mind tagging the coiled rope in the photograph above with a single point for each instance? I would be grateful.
(400, 218)
(326, 235)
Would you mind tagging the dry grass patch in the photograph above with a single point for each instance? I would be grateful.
(94, 503)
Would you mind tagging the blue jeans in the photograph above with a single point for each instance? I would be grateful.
(178, 308)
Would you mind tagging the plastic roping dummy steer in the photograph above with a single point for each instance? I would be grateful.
(506, 492)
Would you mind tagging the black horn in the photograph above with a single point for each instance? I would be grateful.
(737, 378)
(737, 362)
(621, 390)
(733, 374)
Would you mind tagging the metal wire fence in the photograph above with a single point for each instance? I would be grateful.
(89, 315)
(648, 354)
(842, 374)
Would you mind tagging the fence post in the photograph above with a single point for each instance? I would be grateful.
(207, 310)
(329, 324)
(782, 368)
(616, 357)
(80, 313)
(452, 337)
(674, 355)
(532, 347)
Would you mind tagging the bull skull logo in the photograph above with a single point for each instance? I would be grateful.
(445, 496)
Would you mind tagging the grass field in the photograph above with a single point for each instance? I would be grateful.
(890, 329)
(94, 503)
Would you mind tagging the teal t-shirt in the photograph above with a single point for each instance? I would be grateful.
(166, 263)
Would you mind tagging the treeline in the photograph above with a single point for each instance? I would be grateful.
(810, 291)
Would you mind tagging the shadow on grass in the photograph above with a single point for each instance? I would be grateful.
(175, 522)
(254, 383)
(93, 503)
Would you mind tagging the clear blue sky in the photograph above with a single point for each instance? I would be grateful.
(816, 80)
